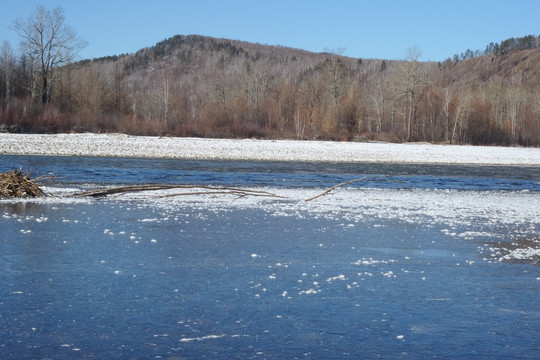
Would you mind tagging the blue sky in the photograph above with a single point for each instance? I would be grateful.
(366, 29)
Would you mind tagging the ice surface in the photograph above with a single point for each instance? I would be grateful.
(357, 273)
(370, 272)
(515, 214)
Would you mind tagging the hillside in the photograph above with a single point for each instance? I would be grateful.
(208, 87)
(516, 67)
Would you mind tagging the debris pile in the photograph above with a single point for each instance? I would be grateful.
(16, 184)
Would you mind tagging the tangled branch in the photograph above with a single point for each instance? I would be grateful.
(18, 184)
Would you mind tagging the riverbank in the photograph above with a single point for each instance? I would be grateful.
(119, 145)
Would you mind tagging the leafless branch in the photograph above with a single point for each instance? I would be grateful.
(335, 187)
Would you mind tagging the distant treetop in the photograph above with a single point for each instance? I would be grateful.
(512, 44)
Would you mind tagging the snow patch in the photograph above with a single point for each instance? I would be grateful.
(119, 145)
(202, 338)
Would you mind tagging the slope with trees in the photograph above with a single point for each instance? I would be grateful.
(202, 86)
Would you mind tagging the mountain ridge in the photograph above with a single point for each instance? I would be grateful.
(507, 65)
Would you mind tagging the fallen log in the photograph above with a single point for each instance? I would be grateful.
(122, 189)
(205, 190)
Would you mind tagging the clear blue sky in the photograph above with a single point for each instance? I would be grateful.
(367, 29)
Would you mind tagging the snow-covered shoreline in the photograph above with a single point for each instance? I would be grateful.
(119, 145)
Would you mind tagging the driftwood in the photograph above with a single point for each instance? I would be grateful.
(122, 189)
(205, 190)
(18, 184)
(335, 187)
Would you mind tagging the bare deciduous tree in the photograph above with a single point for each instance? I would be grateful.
(7, 63)
(335, 70)
(515, 97)
(410, 78)
(49, 42)
(446, 112)
(461, 117)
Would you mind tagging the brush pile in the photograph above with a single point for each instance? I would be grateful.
(16, 184)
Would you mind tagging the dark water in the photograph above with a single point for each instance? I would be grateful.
(278, 174)
(126, 279)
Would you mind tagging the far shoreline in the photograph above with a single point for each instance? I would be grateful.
(211, 149)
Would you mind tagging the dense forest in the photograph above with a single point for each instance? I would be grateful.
(208, 87)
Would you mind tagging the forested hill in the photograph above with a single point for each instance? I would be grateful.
(201, 86)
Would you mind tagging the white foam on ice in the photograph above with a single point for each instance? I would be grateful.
(519, 250)
(453, 208)
(202, 338)
(521, 254)
(485, 215)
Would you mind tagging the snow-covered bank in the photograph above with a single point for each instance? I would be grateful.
(118, 145)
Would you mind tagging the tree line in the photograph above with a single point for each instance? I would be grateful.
(207, 87)
(512, 44)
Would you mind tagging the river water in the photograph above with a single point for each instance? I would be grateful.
(412, 261)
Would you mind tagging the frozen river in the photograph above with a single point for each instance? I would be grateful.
(414, 262)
